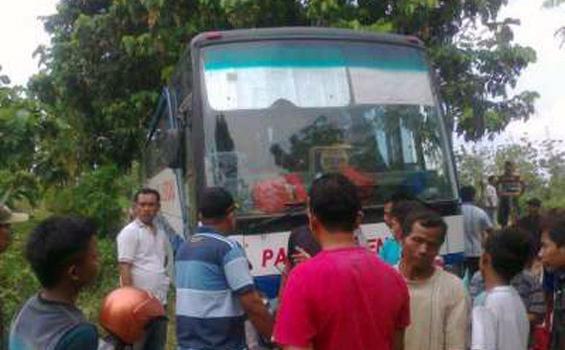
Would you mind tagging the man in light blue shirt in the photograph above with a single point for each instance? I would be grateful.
(476, 224)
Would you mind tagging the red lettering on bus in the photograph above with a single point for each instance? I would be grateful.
(281, 257)
(267, 255)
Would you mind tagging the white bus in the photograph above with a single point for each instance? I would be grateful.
(261, 112)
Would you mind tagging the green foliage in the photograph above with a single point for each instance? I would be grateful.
(100, 194)
(108, 60)
(540, 164)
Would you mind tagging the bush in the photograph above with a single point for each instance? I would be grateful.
(102, 194)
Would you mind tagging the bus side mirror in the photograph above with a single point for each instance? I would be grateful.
(172, 150)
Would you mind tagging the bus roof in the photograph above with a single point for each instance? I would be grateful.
(218, 37)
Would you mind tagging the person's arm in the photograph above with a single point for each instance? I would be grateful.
(457, 320)
(398, 340)
(257, 313)
(238, 276)
(125, 274)
(126, 244)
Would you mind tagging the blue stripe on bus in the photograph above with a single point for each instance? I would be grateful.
(315, 56)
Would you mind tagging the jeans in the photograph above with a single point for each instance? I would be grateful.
(155, 336)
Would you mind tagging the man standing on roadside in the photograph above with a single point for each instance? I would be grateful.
(476, 224)
(7, 218)
(215, 290)
(143, 255)
(439, 307)
(344, 297)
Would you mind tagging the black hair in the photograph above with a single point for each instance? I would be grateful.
(553, 222)
(467, 193)
(56, 243)
(215, 203)
(401, 209)
(335, 202)
(492, 177)
(427, 218)
(147, 190)
(510, 250)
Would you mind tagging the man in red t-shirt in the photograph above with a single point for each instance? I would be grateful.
(344, 297)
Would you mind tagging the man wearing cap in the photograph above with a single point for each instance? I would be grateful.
(7, 218)
(215, 290)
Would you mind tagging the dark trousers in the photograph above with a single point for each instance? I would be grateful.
(155, 336)
(472, 265)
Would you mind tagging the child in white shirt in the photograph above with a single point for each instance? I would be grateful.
(499, 320)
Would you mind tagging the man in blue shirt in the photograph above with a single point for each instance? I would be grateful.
(215, 290)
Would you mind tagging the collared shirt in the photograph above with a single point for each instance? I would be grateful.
(211, 272)
(558, 328)
(146, 249)
(475, 222)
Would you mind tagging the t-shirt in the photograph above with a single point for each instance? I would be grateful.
(491, 196)
(439, 310)
(527, 286)
(500, 321)
(343, 299)
(391, 251)
(475, 222)
(147, 252)
(211, 272)
(50, 325)
(510, 184)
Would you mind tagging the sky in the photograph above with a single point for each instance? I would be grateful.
(21, 32)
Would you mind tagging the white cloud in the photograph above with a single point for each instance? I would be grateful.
(547, 75)
(21, 32)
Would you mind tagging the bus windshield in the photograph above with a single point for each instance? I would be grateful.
(279, 113)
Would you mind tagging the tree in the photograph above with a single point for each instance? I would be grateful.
(108, 58)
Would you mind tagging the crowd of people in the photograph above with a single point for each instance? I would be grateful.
(335, 294)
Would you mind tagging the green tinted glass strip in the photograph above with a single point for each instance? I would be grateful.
(313, 56)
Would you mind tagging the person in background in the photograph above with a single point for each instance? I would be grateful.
(144, 254)
(7, 218)
(438, 302)
(476, 224)
(391, 251)
(531, 222)
(552, 254)
(509, 188)
(215, 290)
(491, 199)
(499, 318)
(344, 297)
(63, 256)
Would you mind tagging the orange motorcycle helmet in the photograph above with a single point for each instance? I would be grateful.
(126, 312)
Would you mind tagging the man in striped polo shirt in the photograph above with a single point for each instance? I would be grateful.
(215, 290)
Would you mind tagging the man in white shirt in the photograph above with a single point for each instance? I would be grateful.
(439, 306)
(143, 255)
(500, 321)
(491, 198)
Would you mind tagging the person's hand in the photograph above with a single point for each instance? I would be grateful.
(300, 257)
